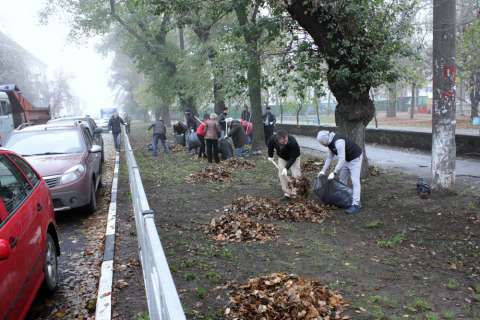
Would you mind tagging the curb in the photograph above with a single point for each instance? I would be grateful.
(103, 310)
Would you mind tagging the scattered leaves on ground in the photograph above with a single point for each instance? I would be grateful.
(374, 171)
(177, 148)
(311, 166)
(211, 174)
(235, 163)
(284, 296)
(296, 210)
(239, 227)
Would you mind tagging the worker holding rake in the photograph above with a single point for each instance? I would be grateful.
(288, 152)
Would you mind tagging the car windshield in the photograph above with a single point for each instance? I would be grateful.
(45, 142)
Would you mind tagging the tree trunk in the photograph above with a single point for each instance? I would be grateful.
(166, 115)
(281, 111)
(392, 100)
(317, 105)
(474, 95)
(443, 110)
(328, 103)
(254, 72)
(352, 115)
(218, 94)
(299, 109)
(414, 100)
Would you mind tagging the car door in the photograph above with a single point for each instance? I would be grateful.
(15, 229)
(94, 158)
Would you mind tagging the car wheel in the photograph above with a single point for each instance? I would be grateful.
(92, 206)
(50, 266)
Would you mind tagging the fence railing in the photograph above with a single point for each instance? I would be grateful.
(162, 297)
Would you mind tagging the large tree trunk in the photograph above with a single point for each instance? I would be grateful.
(414, 100)
(443, 115)
(392, 100)
(166, 115)
(316, 100)
(255, 94)
(218, 94)
(352, 115)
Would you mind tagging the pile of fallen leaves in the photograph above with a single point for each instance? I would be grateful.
(301, 185)
(284, 296)
(211, 174)
(235, 163)
(239, 228)
(177, 148)
(311, 166)
(299, 210)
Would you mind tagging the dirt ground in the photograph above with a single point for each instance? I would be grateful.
(402, 257)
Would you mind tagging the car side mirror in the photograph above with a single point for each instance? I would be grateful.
(98, 131)
(4, 249)
(95, 148)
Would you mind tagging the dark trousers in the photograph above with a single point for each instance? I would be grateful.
(162, 139)
(268, 130)
(116, 140)
(212, 150)
(201, 152)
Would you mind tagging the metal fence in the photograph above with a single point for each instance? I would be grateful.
(162, 297)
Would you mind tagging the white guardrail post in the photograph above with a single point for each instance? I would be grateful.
(162, 297)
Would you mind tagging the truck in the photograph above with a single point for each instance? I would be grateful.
(16, 111)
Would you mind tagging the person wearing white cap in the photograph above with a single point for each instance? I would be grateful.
(350, 157)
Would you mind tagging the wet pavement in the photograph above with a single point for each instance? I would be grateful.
(81, 241)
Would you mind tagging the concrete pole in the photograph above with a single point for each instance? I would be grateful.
(443, 115)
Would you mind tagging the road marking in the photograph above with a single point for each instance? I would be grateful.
(104, 296)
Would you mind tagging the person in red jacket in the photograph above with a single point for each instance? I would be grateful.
(201, 131)
(248, 127)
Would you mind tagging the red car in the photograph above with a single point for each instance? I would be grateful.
(29, 246)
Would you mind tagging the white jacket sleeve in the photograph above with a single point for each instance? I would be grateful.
(340, 145)
(328, 161)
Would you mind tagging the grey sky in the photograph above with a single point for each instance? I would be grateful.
(90, 70)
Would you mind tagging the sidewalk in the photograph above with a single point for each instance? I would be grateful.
(405, 160)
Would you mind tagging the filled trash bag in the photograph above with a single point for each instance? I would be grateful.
(332, 192)
(192, 141)
(225, 148)
(180, 139)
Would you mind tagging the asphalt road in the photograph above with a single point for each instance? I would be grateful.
(81, 241)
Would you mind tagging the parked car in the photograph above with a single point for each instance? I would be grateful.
(68, 160)
(29, 246)
(95, 131)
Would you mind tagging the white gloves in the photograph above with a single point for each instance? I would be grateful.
(284, 172)
(331, 176)
(270, 159)
(321, 173)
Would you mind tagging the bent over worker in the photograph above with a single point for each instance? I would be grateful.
(350, 157)
(288, 152)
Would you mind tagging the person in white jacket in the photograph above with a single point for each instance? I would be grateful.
(350, 157)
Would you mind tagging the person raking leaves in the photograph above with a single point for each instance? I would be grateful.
(350, 157)
(288, 152)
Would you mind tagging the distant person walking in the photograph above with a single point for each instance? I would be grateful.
(288, 152)
(114, 124)
(269, 121)
(159, 133)
(350, 157)
(211, 138)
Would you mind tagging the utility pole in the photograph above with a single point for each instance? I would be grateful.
(443, 109)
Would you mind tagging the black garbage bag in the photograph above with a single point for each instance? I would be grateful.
(192, 141)
(180, 139)
(332, 192)
(225, 148)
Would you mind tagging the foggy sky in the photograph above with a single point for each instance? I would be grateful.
(90, 70)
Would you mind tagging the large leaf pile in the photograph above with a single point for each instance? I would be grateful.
(262, 208)
(211, 174)
(177, 148)
(282, 296)
(239, 228)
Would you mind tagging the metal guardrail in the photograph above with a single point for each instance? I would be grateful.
(162, 297)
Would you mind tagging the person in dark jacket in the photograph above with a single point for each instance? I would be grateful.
(350, 158)
(239, 137)
(269, 121)
(222, 122)
(192, 123)
(180, 130)
(159, 133)
(246, 115)
(114, 124)
(288, 153)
